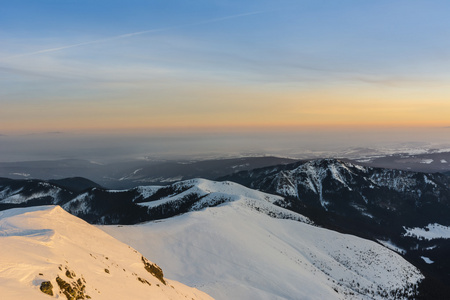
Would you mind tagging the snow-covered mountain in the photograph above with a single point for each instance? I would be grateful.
(48, 253)
(157, 202)
(239, 250)
(329, 181)
(196, 194)
(101, 206)
(379, 204)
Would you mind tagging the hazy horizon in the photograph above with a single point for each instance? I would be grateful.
(105, 147)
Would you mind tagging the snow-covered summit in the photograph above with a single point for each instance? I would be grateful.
(197, 194)
(48, 253)
(231, 190)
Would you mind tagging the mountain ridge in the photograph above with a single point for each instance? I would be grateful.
(48, 252)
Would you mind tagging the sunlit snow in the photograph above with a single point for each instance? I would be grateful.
(47, 244)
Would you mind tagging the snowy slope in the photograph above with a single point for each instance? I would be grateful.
(197, 194)
(46, 248)
(236, 251)
(211, 193)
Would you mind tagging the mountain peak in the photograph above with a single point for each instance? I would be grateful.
(45, 250)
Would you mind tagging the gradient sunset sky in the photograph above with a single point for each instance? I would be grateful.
(202, 66)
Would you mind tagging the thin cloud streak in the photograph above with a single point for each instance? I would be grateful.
(132, 34)
(89, 43)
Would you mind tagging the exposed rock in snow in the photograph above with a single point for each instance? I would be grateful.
(46, 251)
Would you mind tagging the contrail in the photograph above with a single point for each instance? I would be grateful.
(127, 35)
(90, 42)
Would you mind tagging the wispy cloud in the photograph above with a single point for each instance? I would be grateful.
(400, 81)
(132, 34)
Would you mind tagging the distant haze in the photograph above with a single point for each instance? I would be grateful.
(104, 147)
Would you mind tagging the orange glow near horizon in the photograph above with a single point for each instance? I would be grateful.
(225, 128)
(220, 109)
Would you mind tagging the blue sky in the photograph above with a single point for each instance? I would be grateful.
(119, 66)
(278, 41)
(311, 39)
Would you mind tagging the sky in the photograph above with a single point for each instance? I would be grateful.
(75, 72)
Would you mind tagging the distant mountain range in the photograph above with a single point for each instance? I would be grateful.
(130, 174)
(431, 161)
(384, 205)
